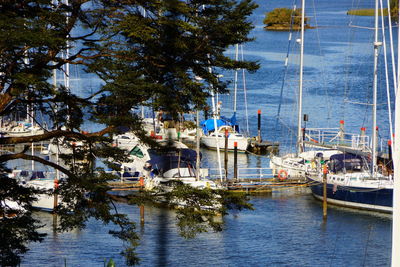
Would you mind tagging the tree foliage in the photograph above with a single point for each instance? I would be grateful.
(142, 59)
(284, 18)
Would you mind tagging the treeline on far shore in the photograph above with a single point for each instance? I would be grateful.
(367, 12)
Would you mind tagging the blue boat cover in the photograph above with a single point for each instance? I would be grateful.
(164, 161)
(208, 125)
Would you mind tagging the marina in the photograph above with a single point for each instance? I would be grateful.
(322, 195)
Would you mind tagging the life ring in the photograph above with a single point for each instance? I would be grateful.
(282, 174)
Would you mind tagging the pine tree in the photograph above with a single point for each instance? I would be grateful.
(141, 59)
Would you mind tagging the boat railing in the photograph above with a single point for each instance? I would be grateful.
(243, 174)
(125, 176)
(336, 137)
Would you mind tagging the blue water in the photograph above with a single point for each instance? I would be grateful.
(286, 227)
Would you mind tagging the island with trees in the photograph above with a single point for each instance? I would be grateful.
(284, 19)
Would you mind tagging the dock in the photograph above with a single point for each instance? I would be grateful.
(248, 186)
(263, 147)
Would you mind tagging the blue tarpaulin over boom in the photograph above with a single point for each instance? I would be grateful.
(208, 125)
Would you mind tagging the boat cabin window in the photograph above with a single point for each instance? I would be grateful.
(136, 151)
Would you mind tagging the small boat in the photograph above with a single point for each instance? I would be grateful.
(213, 139)
(39, 180)
(125, 141)
(292, 166)
(178, 165)
(62, 146)
(21, 128)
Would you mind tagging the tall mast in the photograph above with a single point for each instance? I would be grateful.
(375, 89)
(235, 81)
(300, 100)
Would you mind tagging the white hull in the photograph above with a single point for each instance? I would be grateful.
(211, 142)
(296, 167)
(44, 202)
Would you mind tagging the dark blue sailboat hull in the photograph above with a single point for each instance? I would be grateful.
(356, 197)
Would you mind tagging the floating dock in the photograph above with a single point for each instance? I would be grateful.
(263, 147)
(249, 186)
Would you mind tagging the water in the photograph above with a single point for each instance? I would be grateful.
(286, 227)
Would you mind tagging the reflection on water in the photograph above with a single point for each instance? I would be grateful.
(286, 229)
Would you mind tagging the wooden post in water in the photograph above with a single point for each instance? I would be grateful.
(362, 137)
(235, 174)
(341, 131)
(259, 126)
(141, 215)
(324, 203)
(226, 154)
(55, 195)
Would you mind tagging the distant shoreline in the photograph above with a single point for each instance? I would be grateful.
(366, 12)
(286, 28)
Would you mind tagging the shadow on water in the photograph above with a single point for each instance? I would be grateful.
(162, 236)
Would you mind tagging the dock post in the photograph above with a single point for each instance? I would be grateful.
(226, 154)
(141, 182)
(363, 142)
(341, 131)
(141, 215)
(55, 195)
(235, 161)
(259, 126)
(325, 204)
(390, 154)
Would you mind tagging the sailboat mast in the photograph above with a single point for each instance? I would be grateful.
(300, 99)
(197, 145)
(375, 89)
(235, 81)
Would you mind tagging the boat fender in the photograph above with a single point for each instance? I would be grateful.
(282, 175)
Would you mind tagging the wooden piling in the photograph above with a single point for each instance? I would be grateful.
(55, 195)
(235, 174)
(226, 154)
(259, 126)
(141, 215)
(341, 131)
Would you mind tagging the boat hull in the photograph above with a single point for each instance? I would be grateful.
(380, 200)
(211, 143)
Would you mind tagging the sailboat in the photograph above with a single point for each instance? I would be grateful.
(357, 181)
(224, 130)
(219, 128)
(295, 165)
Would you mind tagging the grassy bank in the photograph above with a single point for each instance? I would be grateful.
(366, 12)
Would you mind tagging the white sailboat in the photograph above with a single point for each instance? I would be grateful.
(217, 129)
(296, 165)
(358, 181)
